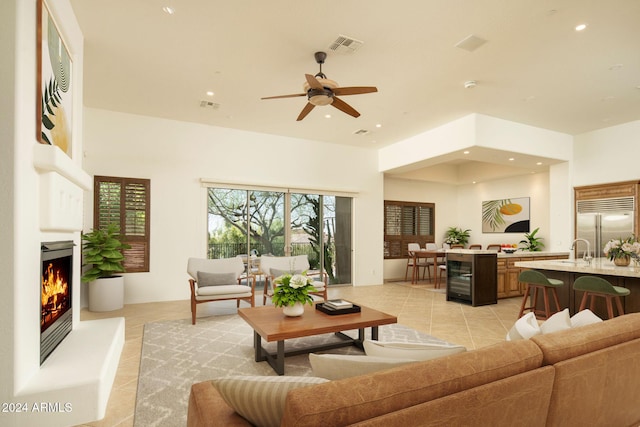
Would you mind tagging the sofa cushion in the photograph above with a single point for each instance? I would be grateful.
(276, 272)
(583, 318)
(339, 366)
(260, 399)
(216, 279)
(557, 322)
(360, 398)
(524, 328)
(411, 351)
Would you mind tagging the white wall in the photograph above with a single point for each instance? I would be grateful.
(176, 155)
(607, 155)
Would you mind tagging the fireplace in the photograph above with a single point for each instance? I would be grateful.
(56, 319)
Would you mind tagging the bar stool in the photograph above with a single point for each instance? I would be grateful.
(538, 281)
(594, 286)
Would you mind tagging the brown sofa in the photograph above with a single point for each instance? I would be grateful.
(583, 376)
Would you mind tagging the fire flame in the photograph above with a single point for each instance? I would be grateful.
(53, 286)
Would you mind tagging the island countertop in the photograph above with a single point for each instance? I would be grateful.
(600, 266)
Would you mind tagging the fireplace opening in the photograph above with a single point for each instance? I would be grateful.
(56, 316)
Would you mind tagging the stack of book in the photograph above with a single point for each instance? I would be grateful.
(338, 304)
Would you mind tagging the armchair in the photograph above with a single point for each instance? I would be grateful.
(218, 280)
(272, 267)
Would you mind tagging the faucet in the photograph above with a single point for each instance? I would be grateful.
(587, 255)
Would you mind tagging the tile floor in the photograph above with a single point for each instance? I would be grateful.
(418, 306)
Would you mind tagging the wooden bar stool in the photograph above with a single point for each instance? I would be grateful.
(594, 286)
(539, 282)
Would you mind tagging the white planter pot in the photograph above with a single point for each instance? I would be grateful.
(106, 294)
(294, 310)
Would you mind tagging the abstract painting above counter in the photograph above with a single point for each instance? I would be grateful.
(506, 215)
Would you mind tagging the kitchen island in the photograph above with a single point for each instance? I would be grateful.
(570, 269)
(508, 270)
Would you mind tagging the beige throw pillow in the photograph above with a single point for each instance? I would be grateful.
(411, 351)
(583, 318)
(339, 366)
(258, 399)
(216, 279)
(524, 328)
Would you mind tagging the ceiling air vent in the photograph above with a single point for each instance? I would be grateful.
(361, 132)
(345, 44)
(209, 104)
(470, 43)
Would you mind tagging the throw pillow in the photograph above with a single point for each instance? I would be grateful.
(524, 328)
(583, 318)
(557, 322)
(258, 399)
(411, 351)
(339, 366)
(216, 279)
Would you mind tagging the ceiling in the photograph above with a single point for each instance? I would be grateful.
(534, 67)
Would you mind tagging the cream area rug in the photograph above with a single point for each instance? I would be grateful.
(176, 354)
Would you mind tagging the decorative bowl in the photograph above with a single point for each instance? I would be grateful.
(509, 250)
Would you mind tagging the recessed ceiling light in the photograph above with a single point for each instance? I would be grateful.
(168, 9)
(539, 163)
(210, 93)
(327, 116)
(511, 159)
(473, 182)
(581, 27)
(466, 152)
(378, 125)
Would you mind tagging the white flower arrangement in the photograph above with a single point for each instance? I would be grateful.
(620, 248)
(291, 289)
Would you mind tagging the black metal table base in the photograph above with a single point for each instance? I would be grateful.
(276, 359)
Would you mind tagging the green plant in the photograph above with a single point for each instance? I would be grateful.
(531, 242)
(457, 235)
(291, 289)
(102, 249)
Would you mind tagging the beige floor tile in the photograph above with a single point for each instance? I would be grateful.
(417, 306)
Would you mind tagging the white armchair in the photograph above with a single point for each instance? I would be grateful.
(272, 267)
(218, 280)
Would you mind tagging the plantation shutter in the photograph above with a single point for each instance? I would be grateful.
(407, 222)
(125, 202)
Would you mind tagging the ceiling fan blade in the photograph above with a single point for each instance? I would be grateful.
(344, 107)
(307, 108)
(355, 90)
(295, 95)
(313, 82)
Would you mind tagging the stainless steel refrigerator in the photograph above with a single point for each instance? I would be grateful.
(601, 220)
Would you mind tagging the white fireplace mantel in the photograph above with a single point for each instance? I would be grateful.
(62, 183)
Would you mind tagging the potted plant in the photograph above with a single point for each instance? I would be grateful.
(531, 242)
(102, 251)
(457, 235)
(292, 292)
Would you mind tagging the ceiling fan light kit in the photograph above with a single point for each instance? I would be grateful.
(321, 91)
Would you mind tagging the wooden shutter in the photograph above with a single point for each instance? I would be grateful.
(125, 202)
(407, 222)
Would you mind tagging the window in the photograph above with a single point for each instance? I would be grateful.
(407, 222)
(253, 222)
(125, 202)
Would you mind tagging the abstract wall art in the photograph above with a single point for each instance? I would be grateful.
(506, 216)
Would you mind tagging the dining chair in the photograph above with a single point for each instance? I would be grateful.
(415, 263)
(457, 246)
(494, 247)
(475, 246)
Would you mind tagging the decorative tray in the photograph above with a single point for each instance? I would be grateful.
(334, 311)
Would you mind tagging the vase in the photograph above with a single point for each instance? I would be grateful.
(622, 261)
(294, 310)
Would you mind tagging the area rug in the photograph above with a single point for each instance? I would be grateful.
(176, 354)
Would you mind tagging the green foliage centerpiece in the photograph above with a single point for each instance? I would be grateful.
(293, 291)
(457, 235)
(531, 242)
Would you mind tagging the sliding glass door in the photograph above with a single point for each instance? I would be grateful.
(252, 223)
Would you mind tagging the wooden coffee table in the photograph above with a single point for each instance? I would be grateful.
(270, 324)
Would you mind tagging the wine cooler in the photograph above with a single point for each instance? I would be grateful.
(472, 277)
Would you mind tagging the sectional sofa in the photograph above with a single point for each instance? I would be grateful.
(585, 376)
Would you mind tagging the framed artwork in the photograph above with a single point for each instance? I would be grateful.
(54, 84)
(506, 216)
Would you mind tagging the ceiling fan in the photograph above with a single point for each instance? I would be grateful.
(322, 91)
